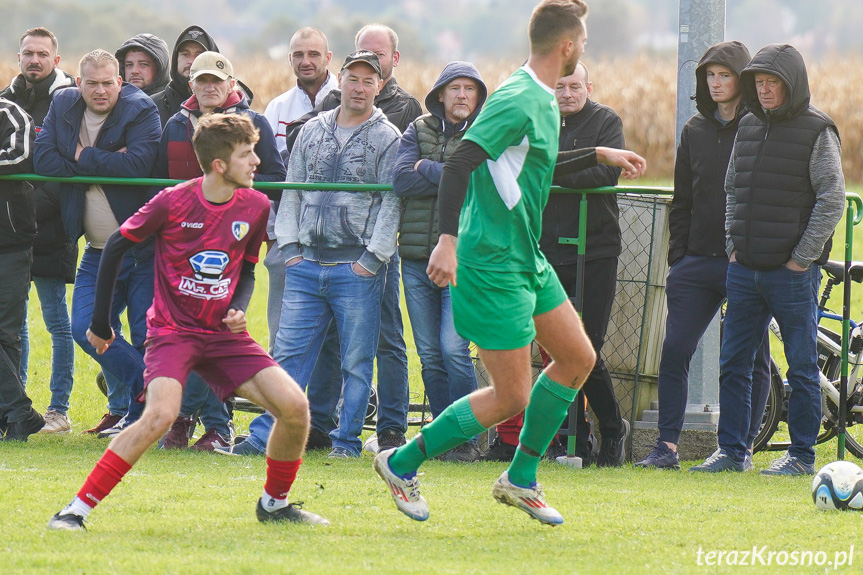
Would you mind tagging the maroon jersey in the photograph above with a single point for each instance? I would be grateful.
(200, 248)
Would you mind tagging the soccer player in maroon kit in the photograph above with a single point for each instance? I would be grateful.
(208, 236)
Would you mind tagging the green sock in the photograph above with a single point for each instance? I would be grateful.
(549, 403)
(453, 427)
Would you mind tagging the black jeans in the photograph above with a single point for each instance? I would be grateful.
(14, 282)
(600, 281)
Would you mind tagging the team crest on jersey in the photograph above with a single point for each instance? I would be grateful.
(240, 229)
(208, 266)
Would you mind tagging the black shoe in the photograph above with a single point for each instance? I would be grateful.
(318, 440)
(21, 430)
(292, 513)
(612, 451)
(662, 457)
(389, 439)
(67, 522)
(464, 453)
(499, 451)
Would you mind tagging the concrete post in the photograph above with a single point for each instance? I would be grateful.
(701, 24)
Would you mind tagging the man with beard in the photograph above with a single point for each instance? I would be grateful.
(54, 256)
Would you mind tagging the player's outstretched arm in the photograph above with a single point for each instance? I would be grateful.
(101, 334)
(632, 164)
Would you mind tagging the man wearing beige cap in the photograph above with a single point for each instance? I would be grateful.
(214, 89)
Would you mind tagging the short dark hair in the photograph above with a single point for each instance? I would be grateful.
(218, 135)
(552, 20)
(41, 32)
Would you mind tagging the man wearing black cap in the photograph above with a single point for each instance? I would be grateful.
(341, 240)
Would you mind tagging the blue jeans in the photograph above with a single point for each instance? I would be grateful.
(695, 290)
(754, 296)
(55, 314)
(447, 369)
(123, 362)
(392, 362)
(198, 396)
(315, 296)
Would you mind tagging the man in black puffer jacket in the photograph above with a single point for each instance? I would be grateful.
(18, 419)
(785, 194)
(54, 256)
(191, 42)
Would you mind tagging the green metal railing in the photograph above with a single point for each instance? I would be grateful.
(854, 216)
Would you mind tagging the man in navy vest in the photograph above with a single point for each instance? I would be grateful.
(785, 193)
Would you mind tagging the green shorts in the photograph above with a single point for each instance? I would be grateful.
(495, 310)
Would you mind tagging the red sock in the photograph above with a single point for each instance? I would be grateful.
(509, 430)
(280, 477)
(109, 471)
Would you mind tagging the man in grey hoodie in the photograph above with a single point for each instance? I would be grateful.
(785, 192)
(453, 104)
(144, 63)
(336, 244)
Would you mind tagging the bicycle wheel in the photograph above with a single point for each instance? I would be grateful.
(773, 409)
(832, 368)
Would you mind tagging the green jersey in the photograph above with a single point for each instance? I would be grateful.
(501, 219)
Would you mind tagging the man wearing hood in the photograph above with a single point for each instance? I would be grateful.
(144, 63)
(336, 245)
(695, 288)
(447, 369)
(785, 194)
(54, 256)
(191, 42)
(214, 90)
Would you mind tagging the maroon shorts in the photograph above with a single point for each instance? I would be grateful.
(224, 360)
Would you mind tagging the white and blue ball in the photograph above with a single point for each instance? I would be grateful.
(838, 485)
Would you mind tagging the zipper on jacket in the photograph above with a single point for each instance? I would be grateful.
(752, 184)
(9, 212)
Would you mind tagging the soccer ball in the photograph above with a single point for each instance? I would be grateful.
(838, 485)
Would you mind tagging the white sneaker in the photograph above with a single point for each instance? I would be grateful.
(405, 492)
(56, 422)
(530, 500)
(112, 432)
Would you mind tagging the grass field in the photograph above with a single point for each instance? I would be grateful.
(194, 513)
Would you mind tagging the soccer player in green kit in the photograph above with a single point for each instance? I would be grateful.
(492, 194)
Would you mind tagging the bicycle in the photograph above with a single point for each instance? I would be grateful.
(829, 347)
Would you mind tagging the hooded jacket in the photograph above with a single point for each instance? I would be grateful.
(341, 226)
(399, 107)
(785, 187)
(432, 139)
(158, 51)
(53, 254)
(593, 125)
(17, 215)
(177, 159)
(696, 220)
(177, 90)
(132, 124)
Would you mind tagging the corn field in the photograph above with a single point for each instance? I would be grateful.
(642, 90)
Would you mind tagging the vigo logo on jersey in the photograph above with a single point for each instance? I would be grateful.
(207, 269)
